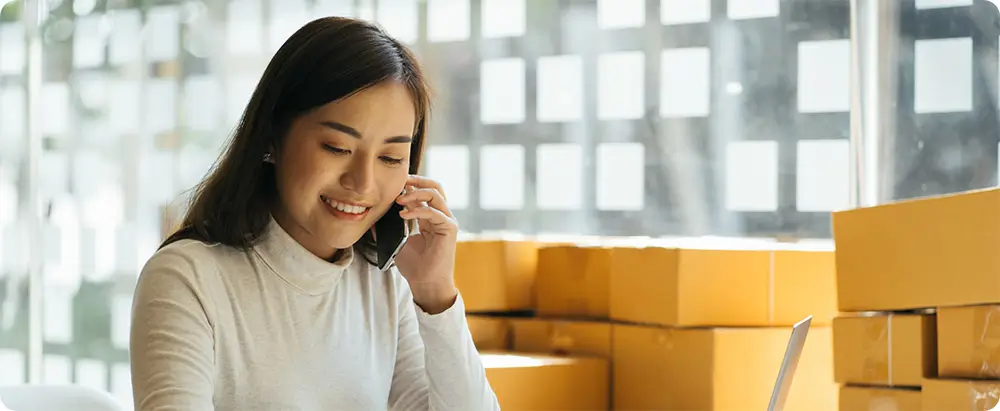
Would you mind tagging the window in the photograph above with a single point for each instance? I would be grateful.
(624, 117)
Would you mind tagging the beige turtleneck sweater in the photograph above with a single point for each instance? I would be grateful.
(278, 328)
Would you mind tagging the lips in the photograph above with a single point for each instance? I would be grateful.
(344, 207)
(344, 211)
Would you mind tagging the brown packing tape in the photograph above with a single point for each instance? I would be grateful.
(983, 400)
(882, 403)
(559, 341)
(888, 342)
(576, 260)
(665, 338)
(874, 369)
(986, 355)
(960, 395)
(770, 289)
(877, 366)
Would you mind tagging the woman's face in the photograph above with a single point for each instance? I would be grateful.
(342, 165)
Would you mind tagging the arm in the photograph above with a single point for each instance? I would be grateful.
(437, 366)
(172, 343)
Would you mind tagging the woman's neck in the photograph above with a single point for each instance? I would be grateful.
(339, 255)
(306, 239)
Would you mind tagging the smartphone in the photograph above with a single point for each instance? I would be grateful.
(391, 232)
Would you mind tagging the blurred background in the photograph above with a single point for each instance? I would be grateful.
(616, 118)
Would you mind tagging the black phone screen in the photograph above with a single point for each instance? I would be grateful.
(390, 236)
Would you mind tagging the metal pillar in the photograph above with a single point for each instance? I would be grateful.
(32, 15)
(874, 83)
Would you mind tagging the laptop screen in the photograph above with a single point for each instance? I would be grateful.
(788, 365)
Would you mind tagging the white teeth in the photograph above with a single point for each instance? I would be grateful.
(347, 208)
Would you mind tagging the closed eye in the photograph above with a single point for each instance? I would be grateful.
(336, 150)
(391, 160)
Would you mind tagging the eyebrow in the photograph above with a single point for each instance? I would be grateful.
(351, 131)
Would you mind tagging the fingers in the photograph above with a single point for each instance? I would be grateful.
(427, 203)
(439, 222)
(424, 182)
(428, 196)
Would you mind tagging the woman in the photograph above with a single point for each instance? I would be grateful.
(267, 297)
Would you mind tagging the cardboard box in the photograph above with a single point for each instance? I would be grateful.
(969, 342)
(539, 382)
(933, 252)
(960, 395)
(573, 281)
(877, 399)
(897, 350)
(719, 369)
(701, 287)
(537, 335)
(496, 275)
(490, 333)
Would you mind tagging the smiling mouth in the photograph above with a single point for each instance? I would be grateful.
(343, 207)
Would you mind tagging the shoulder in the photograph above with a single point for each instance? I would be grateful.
(188, 256)
(185, 266)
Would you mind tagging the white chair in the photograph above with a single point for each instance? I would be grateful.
(56, 397)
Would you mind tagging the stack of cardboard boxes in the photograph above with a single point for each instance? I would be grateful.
(883, 359)
(899, 263)
(497, 281)
(705, 328)
(675, 326)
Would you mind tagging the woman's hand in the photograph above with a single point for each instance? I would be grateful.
(427, 261)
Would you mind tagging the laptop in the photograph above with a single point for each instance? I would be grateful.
(789, 364)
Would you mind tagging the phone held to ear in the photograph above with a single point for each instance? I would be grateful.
(391, 232)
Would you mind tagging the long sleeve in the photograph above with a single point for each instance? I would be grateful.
(437, 366)
(172, 342)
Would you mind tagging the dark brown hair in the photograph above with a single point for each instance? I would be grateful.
(326, 60)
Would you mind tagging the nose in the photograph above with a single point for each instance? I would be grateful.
(360, 175)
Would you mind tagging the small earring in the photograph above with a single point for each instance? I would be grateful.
(268, 158)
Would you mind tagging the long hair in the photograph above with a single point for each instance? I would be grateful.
(326, 60)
